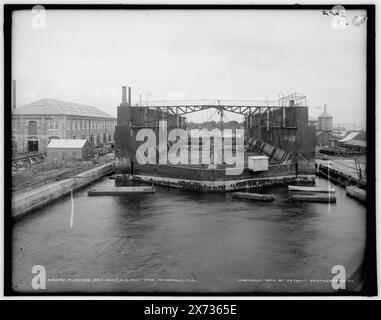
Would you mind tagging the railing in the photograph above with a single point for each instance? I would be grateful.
(215, 102)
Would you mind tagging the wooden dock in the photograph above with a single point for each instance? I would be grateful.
(311, 189)
(113, 191)
(322, 198)
(254, 196)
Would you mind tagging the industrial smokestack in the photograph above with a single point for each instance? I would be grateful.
(129, 96)
(14, 94)
(124, 95)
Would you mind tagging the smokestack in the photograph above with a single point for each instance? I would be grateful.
(129, 96)
(14, 94)
(124, 95)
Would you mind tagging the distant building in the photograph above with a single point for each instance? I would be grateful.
(355, 141)
(326, 139)
(325, 121)
(355, 145)
(36, 124)
(59, 150)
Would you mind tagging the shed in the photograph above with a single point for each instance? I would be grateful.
(325, 138)
(355, 145)
(69, 149)
(258, 163)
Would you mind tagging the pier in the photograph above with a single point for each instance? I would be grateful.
(342, 172)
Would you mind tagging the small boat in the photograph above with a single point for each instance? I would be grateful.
(253, 196)
(322, 198)
(311, 189)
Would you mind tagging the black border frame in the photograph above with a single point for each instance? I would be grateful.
(369, 266)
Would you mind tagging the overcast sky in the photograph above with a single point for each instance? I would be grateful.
(86, 56)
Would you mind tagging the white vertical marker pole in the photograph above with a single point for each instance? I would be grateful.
(72, 210)
(329, 195)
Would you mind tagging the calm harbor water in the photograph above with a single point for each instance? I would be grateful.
(178, 241)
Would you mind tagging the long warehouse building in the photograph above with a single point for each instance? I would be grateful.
(36, 124)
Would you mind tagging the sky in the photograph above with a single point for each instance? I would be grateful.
(86, 56)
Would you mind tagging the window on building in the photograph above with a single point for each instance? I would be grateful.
(74, 154)
(32, 128)
(85, 124)
(91, 138)
(56, 124)
(63, 155)
(83, 136)
(51, 125)
(109, 137)
(14, 143)
(73, 137)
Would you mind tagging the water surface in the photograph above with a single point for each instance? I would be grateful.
(179, 241)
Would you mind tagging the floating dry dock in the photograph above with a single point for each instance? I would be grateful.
(121, 190)
(278, 131)
(254, 196)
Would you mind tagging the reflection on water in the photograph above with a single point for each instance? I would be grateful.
(182, 241)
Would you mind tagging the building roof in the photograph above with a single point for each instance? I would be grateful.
(48, 106)
(356, 143)
(66, 143)
(350, 136)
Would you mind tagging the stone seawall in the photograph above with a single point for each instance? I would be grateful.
(215, 185)
(32, 200)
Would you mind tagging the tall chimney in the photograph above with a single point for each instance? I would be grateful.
(124, 95)
(129, 96)
(14, 94)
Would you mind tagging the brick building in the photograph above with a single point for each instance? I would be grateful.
(36, 124)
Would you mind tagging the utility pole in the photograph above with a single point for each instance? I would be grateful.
(14, 94)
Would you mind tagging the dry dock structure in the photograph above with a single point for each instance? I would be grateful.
(278, 130)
